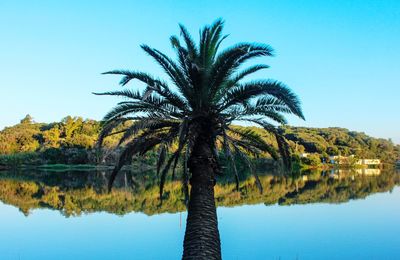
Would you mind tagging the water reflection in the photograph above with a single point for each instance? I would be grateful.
(77, 192)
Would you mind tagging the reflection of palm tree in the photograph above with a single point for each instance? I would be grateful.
(209, 96)
(29, 190)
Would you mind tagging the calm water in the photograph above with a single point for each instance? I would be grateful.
(330, 215)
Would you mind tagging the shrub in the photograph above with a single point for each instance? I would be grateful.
(312, 159)
(18, 159)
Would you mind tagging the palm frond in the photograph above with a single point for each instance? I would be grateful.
(190, 45)
(127, 93)
(140, 145)
(229, 60)
(185, 176)
(171, 68)
(284, 148)
(241, 75)
(249, 165)
(207, 94)
(229, 156)
(164, 174)
(162, 154)
(108, 128)
(245, 92)
(250, 140)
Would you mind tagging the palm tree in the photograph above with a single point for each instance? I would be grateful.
(185, 123)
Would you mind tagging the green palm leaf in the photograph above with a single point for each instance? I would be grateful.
(184, 121)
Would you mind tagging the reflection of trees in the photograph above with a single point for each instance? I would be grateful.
(74, 193)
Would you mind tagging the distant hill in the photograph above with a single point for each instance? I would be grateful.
(341, 141)
(72, 140)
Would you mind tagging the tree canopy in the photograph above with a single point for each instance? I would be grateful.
(208, 89)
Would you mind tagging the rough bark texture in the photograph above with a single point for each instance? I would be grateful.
(202, 236)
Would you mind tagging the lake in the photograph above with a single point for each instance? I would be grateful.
(309, 215)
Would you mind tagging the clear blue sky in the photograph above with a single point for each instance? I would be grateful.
(341, 57)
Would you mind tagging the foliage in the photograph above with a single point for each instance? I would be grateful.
(189, 116)
(39, 143)
(20, 138)
(312, 159)
(71, 141)
(18, 159)
(340, 141)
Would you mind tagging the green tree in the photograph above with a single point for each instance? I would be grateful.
(27, 120)
(210, 94)
(312, 159)
(20, 138)
(51, 137)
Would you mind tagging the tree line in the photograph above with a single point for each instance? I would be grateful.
(73, 141)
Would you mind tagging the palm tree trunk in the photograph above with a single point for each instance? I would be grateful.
(202, 236)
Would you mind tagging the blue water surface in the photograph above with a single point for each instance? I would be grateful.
(360, 229)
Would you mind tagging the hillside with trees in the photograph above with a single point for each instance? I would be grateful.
(73, 141)
(340, 141)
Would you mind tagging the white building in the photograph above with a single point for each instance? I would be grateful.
(350, 159)
(368, 162)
